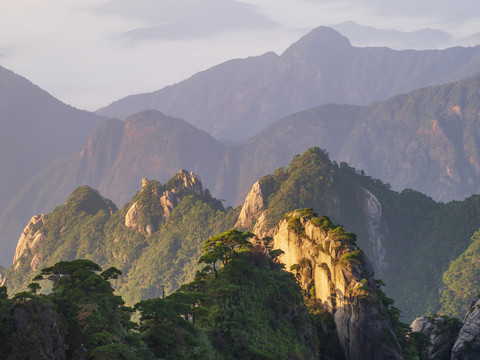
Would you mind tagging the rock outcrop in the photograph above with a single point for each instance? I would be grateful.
(161, 201)
(452, 340)
(441, 335)
(255, 215)
(191, 182)
(252, 207)
(255, 208)
(467, 345)
(331, 268)
(29, 242)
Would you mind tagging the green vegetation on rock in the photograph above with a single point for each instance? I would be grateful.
(251, 309)
(409, 237)
(89, 226)
(462, 280)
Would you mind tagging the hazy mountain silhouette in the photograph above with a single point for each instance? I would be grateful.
(239, 98)
(36, 129)
(396, 39)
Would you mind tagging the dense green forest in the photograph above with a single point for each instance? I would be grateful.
(249, 309)
(242, 304)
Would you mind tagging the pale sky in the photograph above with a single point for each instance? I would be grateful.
(89, 53)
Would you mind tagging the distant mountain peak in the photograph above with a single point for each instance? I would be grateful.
(319, 39)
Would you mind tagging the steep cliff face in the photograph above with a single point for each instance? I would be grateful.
(451, 339)
(376, 229)
(467, 345)
(331, 268)
(256, 214)
(29, 242)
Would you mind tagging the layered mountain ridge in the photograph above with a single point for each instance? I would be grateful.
(239, 98)
(107, 159)
(159, 231)
(430, 134)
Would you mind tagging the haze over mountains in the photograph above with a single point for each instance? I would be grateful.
(237, 99)
(426, 140)
(419, 39)
(364, 119)
(36, 129)
(431, 133)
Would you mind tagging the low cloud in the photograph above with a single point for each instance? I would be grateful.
(187, 19)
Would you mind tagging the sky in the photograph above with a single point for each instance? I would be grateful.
(89, 53)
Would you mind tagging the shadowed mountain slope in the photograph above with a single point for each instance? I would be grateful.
(36, 129)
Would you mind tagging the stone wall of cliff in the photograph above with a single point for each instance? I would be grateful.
(331, 268)
(29, 243)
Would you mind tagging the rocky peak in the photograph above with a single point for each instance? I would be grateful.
(332, 269)
(190, 182)
(162, 199)
(252, 207)
(29, 242)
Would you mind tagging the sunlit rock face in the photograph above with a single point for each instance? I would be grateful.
(331, 268)
(165, 201)
(29, 242)
(252, 207)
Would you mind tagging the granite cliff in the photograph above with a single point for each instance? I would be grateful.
(399, 232)
(29, 242)
(467, 344)
(331, 268)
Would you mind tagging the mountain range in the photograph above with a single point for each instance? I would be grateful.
(238, 98)
(425, 140)
(393, 229)
(389, 144)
